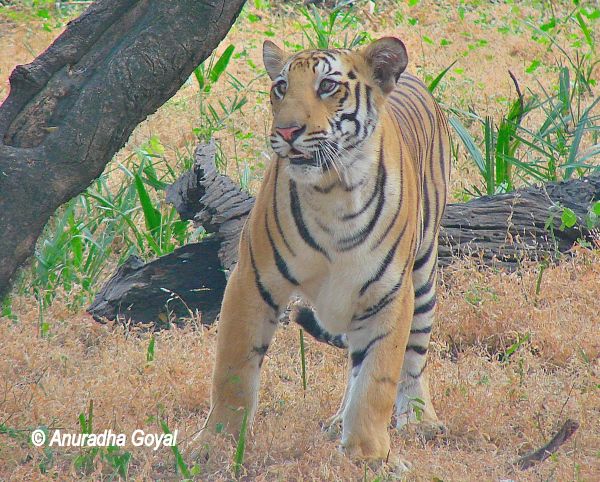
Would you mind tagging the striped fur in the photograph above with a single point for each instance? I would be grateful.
(348, 218)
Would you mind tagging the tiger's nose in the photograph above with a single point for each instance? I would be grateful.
(291, 133)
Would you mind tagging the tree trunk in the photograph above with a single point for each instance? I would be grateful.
(71, 109)
(500, 230)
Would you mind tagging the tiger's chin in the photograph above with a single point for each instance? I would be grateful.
(304, 168)
(305, 173)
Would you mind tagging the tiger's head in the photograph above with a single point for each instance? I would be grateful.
(326, 104)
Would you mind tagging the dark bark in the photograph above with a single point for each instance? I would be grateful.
(185, 283)
(507, 228)
(497, 230)
(71, 109)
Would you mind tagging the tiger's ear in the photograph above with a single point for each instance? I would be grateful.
(387, 58)
(273, 58)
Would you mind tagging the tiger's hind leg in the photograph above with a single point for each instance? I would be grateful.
(413, 401)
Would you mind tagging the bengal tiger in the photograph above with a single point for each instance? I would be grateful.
(347, 217)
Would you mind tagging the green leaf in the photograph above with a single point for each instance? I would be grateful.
(469, 143)
(221, 64)
(596, 208)
(533, 66)
(586, 31)
(568, 217)
(150, 350)
(549, 25)
(151, 214)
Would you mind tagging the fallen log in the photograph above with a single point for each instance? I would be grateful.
(501, 230)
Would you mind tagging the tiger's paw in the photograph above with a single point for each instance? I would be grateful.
(393, 469)
(390, 467)
(209, 445)
(333, 427)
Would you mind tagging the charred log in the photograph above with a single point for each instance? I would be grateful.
(502, 230)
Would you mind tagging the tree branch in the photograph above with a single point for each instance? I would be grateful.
(71, 109)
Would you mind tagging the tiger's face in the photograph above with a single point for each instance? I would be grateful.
(326, 104)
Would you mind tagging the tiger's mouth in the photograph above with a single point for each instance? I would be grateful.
(298, 158)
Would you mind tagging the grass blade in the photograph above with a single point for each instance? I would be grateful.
(179, 462)
(579, 131)
(151, 214)
(150, 350)
(241, 446)
(469, 143)
(303, 359)
(434, 83)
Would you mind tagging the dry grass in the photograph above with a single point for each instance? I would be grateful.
(495, 408)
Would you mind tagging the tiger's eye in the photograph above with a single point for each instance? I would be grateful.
(327, 86)
(280, 88)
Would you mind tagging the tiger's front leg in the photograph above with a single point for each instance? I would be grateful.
(376, 354)
(248, 320)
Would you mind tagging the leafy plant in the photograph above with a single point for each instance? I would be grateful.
(216, 117)
(546, 153)
(207, 74)
(128, 219)
(321, 29)
(85, 461)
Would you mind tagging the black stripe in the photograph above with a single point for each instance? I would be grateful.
(397, 212)
(359, 356)
(300, 225)
(427, 307)
(386, 262)
(360, 237)
(383, 301)
(421, 331)
(279, 261)
(368, 92)
(352, 116)
(326, 189)
(276, 211)
(376, 188)
(423, 290)
(412, 375)
(421, 350)
(264, 292)
(419, 263)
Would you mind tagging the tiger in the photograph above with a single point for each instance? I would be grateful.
(347, 217)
